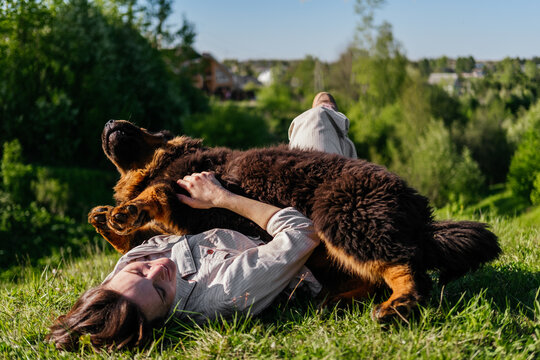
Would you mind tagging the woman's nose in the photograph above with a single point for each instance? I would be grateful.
(157, 272)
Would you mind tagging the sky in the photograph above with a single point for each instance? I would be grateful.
(293, 29)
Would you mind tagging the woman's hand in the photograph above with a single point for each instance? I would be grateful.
(205, 190)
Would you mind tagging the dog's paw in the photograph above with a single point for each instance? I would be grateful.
(126, 218)
(97, 217)
(398, 309)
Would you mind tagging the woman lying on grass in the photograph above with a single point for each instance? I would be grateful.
(203, 276)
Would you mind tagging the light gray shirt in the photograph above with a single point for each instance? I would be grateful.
(322, 129)
(222, 271)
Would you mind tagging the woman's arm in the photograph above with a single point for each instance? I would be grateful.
(206, 192)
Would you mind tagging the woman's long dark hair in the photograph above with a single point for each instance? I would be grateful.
(111, 320)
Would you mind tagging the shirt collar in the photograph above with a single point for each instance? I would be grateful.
(185, 265)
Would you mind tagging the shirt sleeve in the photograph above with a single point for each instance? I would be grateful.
(255, 277)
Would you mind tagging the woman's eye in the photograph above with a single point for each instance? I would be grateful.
(161, 292)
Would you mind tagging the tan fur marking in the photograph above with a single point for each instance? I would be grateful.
(401, 281)
(369, 270)
(127, 184)
(179, 140)
(361, 291)
(155, 203)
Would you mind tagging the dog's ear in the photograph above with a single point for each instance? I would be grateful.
(167, 135)
(186, 144)
(193, 143)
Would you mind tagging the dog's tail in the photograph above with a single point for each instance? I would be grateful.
(458, 247)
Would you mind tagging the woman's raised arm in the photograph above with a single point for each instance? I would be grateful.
(206, 192)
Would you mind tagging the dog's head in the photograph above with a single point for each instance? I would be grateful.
(130, 147)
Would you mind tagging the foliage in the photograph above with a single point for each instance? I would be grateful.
(305, 77)
(535, 193)
(66, 68)
(278, 103)
(29, 233)
(517, 128)
(229, 125)
(16, 176)
(74, 194)
(465, 64)
(50, 192)
(525, 165)
(487, 140)
(34, 202)
(434, 166)
(381, 76)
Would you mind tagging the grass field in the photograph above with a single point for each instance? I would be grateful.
(493, 313)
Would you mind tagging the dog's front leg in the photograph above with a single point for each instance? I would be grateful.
(122, 243)
(154, 203)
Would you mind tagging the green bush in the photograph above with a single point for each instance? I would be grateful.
(433, 165)
(229, 125)
(62, 191)
(535, 193)
(86, 188)
(51, 192)
(66, 68)
(487, 141)
(35, 203)
(373, 133)
(31, 232)
(525, 165)
(16, 176)
(280, 106)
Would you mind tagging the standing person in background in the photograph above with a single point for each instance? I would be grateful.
(322, 128)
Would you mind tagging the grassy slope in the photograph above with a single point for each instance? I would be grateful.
(492, 313)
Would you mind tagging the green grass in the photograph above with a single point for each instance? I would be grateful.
(492, 313)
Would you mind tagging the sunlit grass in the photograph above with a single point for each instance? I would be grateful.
(492, 313)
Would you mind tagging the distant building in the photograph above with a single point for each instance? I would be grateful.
(476, 73)
(216, 79)
(265, 77)
(213, 78)
(448, 81)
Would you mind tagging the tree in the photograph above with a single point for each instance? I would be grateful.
(340, 77)
(229, 125)
(380, 68)
(67, 69)
(465, 64)
(525, 166)
(441, 64)
(531, 70)
(435, 166)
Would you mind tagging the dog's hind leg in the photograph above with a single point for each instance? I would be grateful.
(408, 289)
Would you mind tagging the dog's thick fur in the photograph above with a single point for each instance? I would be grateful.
(374, 228)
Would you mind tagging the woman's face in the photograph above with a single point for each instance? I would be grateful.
(149, 284)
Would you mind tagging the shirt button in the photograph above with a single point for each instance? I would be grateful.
(210, 251)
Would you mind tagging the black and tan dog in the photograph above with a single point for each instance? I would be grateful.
(374, 228)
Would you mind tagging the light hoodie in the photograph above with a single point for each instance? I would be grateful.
(322, 129)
